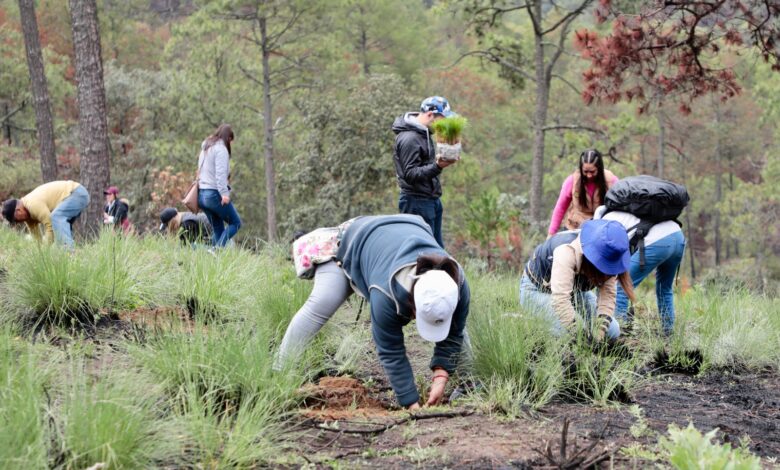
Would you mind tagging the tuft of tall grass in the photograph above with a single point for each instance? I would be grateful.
(227, 399)
(50, 285)
(514, 354)
(111, 420)
(224, 287)
(230, 362)
(735, 329)
(24, 435)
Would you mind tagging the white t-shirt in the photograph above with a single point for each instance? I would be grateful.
(657, 231)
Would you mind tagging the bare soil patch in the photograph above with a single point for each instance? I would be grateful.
(341, 398)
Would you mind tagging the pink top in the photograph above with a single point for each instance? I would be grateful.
(564, 200)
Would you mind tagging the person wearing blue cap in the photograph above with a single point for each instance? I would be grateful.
(416, 165)
(559, 278)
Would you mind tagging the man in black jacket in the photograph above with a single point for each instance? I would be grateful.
(416, 165)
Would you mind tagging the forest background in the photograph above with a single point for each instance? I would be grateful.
(311, 90)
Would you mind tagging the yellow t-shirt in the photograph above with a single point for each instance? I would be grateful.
(42, 201)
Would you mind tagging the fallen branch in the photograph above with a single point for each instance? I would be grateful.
(384, 427)
(581, 458)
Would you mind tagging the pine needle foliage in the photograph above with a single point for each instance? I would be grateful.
(449, 130)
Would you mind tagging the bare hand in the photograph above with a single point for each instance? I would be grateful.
(413, 406)
(225, 200)
(444, 163)
(549, 236)
(440, 379)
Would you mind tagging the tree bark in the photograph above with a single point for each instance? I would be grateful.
(718, 184)
(268, 142)
(661, 142)
(40, 91)
(540, 118)
(93, 129)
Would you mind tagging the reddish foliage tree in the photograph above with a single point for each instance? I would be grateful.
(670, 47)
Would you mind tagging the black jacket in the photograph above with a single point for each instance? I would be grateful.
(415, 158)
(118, 211)
(539, 267)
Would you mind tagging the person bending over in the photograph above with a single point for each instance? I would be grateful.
(395, 262)
(563, 271)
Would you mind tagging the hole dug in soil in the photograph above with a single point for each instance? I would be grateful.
(339, 398)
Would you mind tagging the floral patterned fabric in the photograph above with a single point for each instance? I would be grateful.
(317, 247)
(314, 248)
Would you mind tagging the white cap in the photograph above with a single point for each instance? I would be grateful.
(435, 299)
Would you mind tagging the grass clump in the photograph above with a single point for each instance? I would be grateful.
(688, 449)
(227, 400)
(24, 434)
(723, 330)
(111, 421)
(52, 286)
(449, 130)
(514, 355)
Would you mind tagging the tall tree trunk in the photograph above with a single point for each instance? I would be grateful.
(40, 91)
(268, 143)
(661, 142)
(93, 129)
(540, 118)
(718, 184)
(363, 43)
(6, 124)
(642, 157)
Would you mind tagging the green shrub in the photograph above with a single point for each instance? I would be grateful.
(688, 449)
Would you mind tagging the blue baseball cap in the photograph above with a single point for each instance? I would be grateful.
(438, 105)
(605, 244)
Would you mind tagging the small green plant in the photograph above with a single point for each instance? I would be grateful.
(688, 449)
(640, 427)
(449, 130)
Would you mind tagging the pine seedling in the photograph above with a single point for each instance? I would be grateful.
(449, 130)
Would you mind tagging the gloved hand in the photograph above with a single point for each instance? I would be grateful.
(602, 326)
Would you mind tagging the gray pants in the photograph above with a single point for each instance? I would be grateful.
(331, 289)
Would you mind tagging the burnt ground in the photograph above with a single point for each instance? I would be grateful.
(358, 436)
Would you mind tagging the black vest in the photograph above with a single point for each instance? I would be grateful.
(539, 267)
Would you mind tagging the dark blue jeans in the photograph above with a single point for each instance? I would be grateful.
(430, 210)
(210, 202)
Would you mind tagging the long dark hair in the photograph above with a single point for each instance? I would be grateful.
(592, 156)
(224, 133)
(597, 278)
(430, 261)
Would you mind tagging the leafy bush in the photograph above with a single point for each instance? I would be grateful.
(688, 449)
(449, 130)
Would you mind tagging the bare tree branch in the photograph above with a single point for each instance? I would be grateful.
(492, 57)
(571, 85)
(574, 127)
(568, 17)
(11, 113)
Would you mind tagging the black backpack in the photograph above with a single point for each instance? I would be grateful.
(651, 199)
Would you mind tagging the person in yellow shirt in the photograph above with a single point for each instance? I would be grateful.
(50, 208)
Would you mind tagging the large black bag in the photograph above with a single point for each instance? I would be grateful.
(647, 197)
(651, 199)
